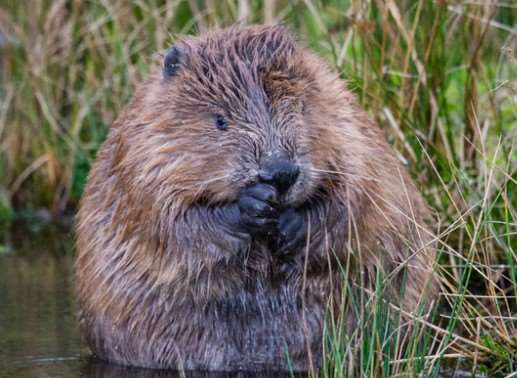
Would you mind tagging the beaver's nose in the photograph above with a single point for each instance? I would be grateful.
(279, 171)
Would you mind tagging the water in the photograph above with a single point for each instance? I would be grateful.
(38, 329)
(39, 335)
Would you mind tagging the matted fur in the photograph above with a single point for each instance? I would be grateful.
(163, 282)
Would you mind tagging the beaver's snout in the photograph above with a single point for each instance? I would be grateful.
(278, 170)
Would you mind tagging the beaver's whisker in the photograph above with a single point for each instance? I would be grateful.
(343, 174)
(202, 185)
(209, 181)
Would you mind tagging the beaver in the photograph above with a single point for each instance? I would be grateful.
(224, 203)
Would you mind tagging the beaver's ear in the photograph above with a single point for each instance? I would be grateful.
(172, 62)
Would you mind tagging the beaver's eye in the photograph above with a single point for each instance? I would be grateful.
(220, 122)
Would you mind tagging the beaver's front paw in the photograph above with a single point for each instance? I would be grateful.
(292, 232)
(258, 205)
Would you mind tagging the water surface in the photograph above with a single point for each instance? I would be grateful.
(38, 328)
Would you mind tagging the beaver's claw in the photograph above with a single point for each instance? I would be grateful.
(258, 206)
(292, 232)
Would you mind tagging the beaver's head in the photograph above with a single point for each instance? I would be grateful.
(236, 107)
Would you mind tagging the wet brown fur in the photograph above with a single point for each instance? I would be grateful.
(162, 283)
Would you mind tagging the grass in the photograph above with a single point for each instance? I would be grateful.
(439, 76)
